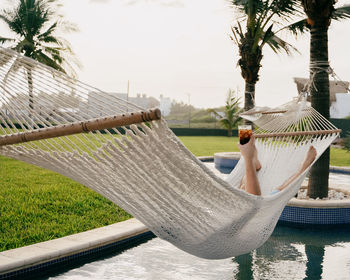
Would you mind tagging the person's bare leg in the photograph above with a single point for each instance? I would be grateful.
(248, 152)
(252, 185)
(257, 168)
(309, 158)
(256, 160)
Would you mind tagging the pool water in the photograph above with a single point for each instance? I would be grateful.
(338, 180)
(290, 253)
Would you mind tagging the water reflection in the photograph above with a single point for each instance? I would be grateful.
(314, 261)
(294, 247)
(288, 254)
(245, 267)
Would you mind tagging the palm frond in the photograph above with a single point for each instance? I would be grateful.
(50, 39)
(268, 35)
(341, 13)
(8, 17)
(213, 111)
(230, 114)
(43, 58)
(279, 45)
(299, 27)
(225, 123)
(65, 54)
(48, 32)
(248, 6)
(36, 23)
(286, 9)
(67, 26)
(4, 40)
(240, 29)
(234, 38)
(296, 28)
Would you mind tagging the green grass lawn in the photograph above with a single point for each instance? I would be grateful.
(340, 157)
(208, 145)
(38, 205)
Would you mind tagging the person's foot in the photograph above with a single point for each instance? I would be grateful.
(310, 157)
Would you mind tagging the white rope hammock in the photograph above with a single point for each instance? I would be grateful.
(58, 123)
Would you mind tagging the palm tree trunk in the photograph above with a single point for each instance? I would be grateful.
(249, 96)
(249, 99)
(250, 67)
(318, 180)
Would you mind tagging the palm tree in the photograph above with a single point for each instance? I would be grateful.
(319, 15)
(260, 17)
(231, 112)
(35, 24)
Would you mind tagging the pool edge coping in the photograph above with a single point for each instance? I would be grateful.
(22, 258)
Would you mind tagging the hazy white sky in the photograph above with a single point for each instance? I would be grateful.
(181, 47)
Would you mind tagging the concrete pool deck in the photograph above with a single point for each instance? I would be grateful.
(20, 259)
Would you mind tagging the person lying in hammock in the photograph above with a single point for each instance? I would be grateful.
(250, 182)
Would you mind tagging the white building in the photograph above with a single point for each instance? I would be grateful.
(339, 99)
(164, 105)
(341, 107)
(144, 101)
(103, 101)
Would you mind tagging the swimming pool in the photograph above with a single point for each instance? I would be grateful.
(341, 180)
(290, 253)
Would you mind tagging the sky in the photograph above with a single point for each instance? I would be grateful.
(182, 49)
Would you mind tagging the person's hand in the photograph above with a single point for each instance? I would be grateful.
(248, 150)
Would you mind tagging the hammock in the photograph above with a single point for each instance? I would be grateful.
(132, 158)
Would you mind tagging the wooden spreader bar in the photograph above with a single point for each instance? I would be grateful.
(297, 133)
(264, 112)
(79, 127)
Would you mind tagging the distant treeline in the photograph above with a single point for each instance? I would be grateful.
(184, 115)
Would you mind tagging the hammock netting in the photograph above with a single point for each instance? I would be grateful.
(144, 168)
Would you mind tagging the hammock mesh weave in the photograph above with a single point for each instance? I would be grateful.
(145, 169)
